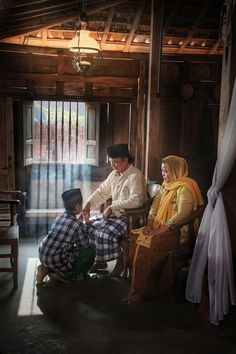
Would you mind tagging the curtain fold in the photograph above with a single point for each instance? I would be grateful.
(213, 246)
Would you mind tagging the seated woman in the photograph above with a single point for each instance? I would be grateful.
(179, 195)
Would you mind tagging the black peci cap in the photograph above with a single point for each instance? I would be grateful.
(71, 197)
(118, 150)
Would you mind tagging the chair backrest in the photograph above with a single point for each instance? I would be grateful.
(153, 189)
(12, 206)
(193, 221)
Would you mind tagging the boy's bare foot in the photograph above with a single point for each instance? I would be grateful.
(41, 274)
(57, 277)
(91, 276)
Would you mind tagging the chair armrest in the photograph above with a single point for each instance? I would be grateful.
(190, 219)
(136, 211)
(10, 201)
(140, 210)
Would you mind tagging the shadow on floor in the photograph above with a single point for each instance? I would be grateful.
(88, 317)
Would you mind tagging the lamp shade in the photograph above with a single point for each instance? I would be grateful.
(84, 43)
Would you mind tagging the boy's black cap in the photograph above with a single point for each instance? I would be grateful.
(118, 150)
(73, 196)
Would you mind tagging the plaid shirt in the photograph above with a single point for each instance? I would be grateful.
(60, 247)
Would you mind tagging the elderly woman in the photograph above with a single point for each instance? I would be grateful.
(179, 195)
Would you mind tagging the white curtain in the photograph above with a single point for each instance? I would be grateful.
(213, 242)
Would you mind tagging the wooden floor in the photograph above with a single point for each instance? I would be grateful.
(90, 318)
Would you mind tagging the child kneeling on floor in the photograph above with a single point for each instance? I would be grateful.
(65, 253)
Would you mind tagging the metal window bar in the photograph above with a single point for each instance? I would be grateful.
(56, 154)
(77, 131)
(62, 133)
(69, 136)
(56, 128)
(49, 148)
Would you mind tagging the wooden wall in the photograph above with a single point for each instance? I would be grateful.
(189, 101)
(37, 72)
(189, 109)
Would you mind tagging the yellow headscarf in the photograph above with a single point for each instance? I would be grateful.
(178, 168)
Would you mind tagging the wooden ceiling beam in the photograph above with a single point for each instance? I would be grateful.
(172, 16)
(17, 48)
(104, 80)
(196, 23)
(44, 21)
(28, 27)
(21, 3)
(214, 47)
(31, 10)
(108, 26)
(134, 26)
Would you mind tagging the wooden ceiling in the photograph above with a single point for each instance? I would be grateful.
(189, 26)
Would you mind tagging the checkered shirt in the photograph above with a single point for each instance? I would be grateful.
(59, 249)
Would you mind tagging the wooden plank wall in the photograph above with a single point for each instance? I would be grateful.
(189, 101)
(37, 74)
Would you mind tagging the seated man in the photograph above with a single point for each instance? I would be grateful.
(65, 252)
(127, 188)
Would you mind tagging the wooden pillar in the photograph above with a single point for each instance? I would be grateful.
(133, 125)
(141, 115)
(59, 88)
(153, 134)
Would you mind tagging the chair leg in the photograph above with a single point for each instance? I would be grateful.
(14, 264)
(121, 267)
(125, 246)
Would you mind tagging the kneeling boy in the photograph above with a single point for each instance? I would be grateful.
(65, 252)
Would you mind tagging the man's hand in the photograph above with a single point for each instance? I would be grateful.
(86, 212)
(86, 208)
(107, 212)
(86, 218)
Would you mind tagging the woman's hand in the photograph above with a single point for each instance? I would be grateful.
(159, 231)
(146, 230)
(107, 212)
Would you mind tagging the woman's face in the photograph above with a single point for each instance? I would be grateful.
(166, 174)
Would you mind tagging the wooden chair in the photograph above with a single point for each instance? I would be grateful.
(165, 281)
(136, 217)
(19, 209)
(9, 234)
(180, 257)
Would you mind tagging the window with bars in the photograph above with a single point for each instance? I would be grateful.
(61, 132)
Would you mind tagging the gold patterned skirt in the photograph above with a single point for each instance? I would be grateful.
(150, 263)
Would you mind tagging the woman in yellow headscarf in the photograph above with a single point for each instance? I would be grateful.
(179, 195)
